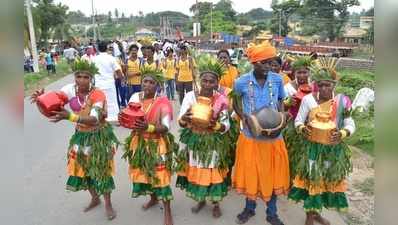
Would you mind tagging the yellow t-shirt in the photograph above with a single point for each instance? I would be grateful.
(185, 72)
(169, 68)
(153, 65)
(134, 67)
(286, 78)
(228, 79)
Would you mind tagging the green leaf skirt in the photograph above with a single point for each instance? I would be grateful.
(213, 192)
(75, 183)
(315, 203)
(161, 193)
(293, 142)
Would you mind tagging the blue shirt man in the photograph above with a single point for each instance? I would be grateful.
(255, 168)
(268, 95)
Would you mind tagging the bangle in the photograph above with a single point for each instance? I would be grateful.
(300, 128)
(182, 122)
(151, 128)
(344, 133)
(287, 102)
(73, 117)
(217, 126)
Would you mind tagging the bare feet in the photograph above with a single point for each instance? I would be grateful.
(309, 220)
(153, 201)
(110, 213)
(168, 219)
(95, 201)
(216, 211)
(198, 207)
(321, 219)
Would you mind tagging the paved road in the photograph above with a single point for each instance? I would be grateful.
(47, 202)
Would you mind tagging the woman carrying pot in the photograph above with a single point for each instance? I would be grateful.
(92, 146)
(203, 164)
(325, 162)
(149, 148)
(295, 91)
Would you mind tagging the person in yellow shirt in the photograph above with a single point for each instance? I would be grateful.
(169, 68)
(185, 73)
(231, 73)
(133, 72)
(150, 60)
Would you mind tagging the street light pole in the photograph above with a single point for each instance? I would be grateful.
(32, 37)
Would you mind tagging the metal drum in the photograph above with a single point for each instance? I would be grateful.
(266, 122)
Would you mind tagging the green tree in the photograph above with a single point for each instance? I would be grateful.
(117, 15)
(281, 14)
(49, 16)
(370, 12)
(200, 10)
(225, 7)
(77, 17)
(370, 35)
(219, 23)
(257, 29)
(326, 17)
(109, 16)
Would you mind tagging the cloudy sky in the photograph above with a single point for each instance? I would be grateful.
(146, 6)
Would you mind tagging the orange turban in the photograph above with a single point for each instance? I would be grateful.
(260, 52)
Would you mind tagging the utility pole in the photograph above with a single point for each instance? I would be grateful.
(280, 21)
(211, 23)
(93, 20)
(32, 37)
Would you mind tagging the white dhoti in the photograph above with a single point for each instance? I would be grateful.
(109, 89)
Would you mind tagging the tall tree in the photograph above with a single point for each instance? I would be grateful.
(117, 15)
(326, 17)
(219, 23)
(281, 14)
(225, 6)
(200, 10)
(50, 16)
(109, 16)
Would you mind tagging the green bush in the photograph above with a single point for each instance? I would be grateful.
(351, 81)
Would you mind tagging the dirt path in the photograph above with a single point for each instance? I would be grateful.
(361, 190)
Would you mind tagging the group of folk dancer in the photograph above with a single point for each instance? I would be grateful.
(226, 153)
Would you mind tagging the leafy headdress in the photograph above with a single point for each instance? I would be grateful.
(302, 62)
(325, 70)
(213, 66)
(84, 66)
(156, 74)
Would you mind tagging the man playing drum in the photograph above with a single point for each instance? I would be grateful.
(261, 165)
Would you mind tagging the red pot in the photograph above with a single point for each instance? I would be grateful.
(130, 114)
(51, 101)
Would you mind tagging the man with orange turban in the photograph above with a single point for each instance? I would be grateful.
(261, 165)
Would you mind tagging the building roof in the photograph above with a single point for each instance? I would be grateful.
(144, 31)
(354, 32)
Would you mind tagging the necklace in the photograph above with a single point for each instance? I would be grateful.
(85, 97)
(150, 105)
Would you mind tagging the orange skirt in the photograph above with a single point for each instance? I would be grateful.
(261, 168)
(138, 176)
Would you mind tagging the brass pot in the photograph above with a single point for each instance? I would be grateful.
(321, 128)
(202, 112)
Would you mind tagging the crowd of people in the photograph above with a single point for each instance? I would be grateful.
(227, 152)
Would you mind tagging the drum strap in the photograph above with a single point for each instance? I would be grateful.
(251, 95)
